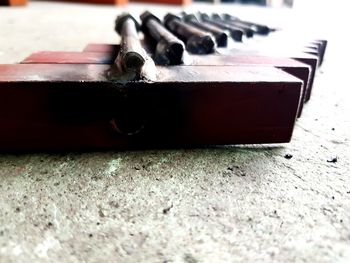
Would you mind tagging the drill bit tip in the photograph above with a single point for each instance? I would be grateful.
(133, 61)
(201, 44)
(175, 53)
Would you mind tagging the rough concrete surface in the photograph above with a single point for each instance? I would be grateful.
(218, 204)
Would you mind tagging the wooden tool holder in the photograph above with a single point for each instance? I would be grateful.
(79, 100)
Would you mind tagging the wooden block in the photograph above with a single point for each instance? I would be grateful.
(234, 57)
(293, 67)
(13, 2)
(77, 107)
(305, 58)
(268, 55)
(300, 56)
(284, 42)
(322, 48)
(63, 57)
(98, 47)
(312, 61)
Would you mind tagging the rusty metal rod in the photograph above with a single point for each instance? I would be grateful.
(132, 56)
(247, 30)
(169, 49)
(235, 33)
(219, 34)
(258, 28)
(197, 41)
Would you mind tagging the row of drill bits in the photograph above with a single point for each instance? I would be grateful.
(199, 34)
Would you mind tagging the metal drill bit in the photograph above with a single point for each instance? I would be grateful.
(169, 49)
(247, 30)
(219, 34)
(197, 41)
(132, 56)
(258, 28)
(235, 33)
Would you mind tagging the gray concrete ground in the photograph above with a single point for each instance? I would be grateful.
(220, 204)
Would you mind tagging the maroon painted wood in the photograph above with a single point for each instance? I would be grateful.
(267, 57)
(305, 58)
(312, 61)
(322, 48)
(69, 57)
(293, 67)
(99, 47)
(77, 107)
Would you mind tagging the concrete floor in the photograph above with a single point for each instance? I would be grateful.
(220, 204)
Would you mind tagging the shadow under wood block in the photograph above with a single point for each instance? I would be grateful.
(78, 107)
(13, 2)
(103, 2)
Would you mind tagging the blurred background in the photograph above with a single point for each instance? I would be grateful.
(42, 21)
(257, 2)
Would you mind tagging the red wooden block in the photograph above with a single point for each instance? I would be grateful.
(308, 59)
(293, 44)
(65, 107)
(268, 55)
(98, 47)
(312, 61)
(290, 66)
(322, 43)
(64, 57)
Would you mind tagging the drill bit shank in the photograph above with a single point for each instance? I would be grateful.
(169, 49)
